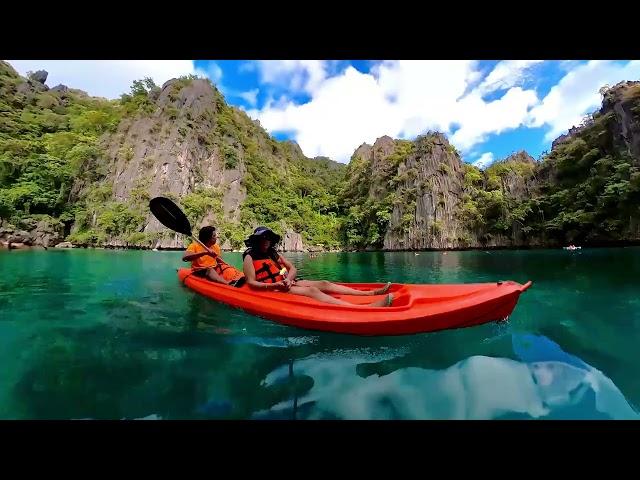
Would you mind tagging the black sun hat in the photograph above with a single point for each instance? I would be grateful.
(261, 232)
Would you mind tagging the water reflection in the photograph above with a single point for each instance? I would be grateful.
(106, 335)
(545, 383)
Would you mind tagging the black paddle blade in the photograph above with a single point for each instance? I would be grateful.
(170, 215)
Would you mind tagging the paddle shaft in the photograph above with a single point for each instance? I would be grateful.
(171, 216)
(204, 246)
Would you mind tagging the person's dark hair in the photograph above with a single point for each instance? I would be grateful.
(206, 233)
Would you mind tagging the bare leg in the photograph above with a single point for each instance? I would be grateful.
(315, 293)
(328, 287)
(215, 277)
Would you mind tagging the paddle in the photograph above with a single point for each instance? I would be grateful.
(170, 215)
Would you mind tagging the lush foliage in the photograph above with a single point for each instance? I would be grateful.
(591, 189)
(285, 190)
(47, 140)
(52, 164)
(369, 194)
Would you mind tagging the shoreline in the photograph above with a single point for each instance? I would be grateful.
(594, 245)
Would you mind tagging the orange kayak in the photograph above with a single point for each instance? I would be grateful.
(415, 309)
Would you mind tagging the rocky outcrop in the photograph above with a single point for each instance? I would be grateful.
(620, 102)
(168, 149)
(425, 182)
(40, 76)
(10, 234)
(623, 101)
(186, 145)
(60, 88)
(430, 187)
(64, 245)
(514, 184)
(172, 153)
(12, 238)
(292, 242)
(38, 233)
(565, 137)
(47, 233)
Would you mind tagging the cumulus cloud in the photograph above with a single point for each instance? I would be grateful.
(251, 96)
(295, 75)
(213, 71)
(346, 107)
(577, 94)
(105, 78)
(480, 118)
(397, 98)
(506, 74)
(484, 161)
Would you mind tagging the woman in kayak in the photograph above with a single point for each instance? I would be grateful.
(208, 266)
(265, 269)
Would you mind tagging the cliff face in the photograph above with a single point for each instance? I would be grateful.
(187, 144)
(417, 195)
(83, 168)
(173, 149)
(429, 198)
(621, 104)
(173, 152)
(588, 186)
(429, 188)
(624, 101)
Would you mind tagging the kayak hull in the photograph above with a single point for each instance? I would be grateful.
(416, 308)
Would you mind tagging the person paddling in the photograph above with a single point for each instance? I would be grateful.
(211, 267)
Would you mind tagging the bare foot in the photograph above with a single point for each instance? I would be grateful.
(385, 302)
(382, 290)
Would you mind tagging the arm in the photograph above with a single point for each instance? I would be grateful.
(189, 257)
(292, 271)
(250, 275)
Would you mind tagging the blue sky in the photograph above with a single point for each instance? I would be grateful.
(488, 109)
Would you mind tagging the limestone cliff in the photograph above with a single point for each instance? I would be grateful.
(220, 166)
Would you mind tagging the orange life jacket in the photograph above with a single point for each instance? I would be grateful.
(222, 268)
(227, 271)
(268, 271)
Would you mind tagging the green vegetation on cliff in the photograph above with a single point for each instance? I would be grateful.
(589, 187)
(54, 164)
(53, 140)
(46, 139)
(489, 207)
(368, 196)
(284, 188)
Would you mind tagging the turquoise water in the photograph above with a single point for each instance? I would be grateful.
(112, 334)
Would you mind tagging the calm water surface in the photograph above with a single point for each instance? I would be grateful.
(112, 334)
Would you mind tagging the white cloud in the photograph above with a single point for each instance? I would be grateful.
(251, 97)
(247, 67)
(480, 118)
(213, 71)
(577, 94)
(105, 78)
(506, 74)
(346, 109)
(295, 75)
(397, 98)
(484, 161)
(568, 65)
